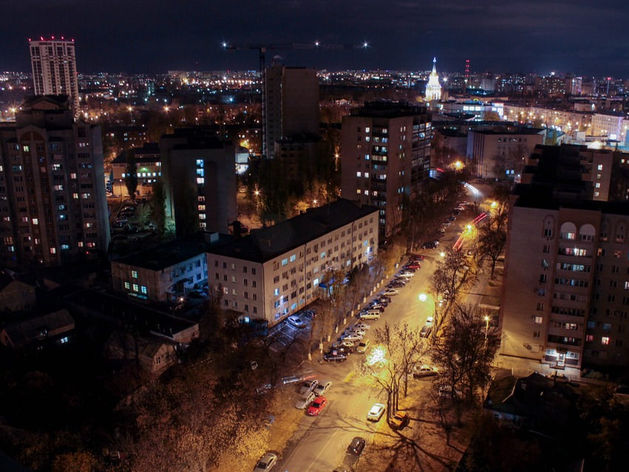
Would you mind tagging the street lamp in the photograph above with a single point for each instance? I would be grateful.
(423, 297)
(486, 326)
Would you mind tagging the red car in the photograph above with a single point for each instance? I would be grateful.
(413, 266)
(416, 257)
(316, 406)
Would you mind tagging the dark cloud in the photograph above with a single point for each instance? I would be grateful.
(587, 37)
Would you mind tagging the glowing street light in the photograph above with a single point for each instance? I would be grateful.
(458, 165)
(486, 318)
(468, 228)
(376, 356)
(494, 204)
(442, 254)
(423, 297)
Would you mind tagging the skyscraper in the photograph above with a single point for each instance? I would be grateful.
(52, 186)
(54, 68)
(291, 104)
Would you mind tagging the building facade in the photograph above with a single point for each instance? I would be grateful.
(276, 271)
(148, 169)
(565, 299)
(500, 153)
(161, 274)
(291, 104)
(433, 87)
(199, 175)
(53, 62)
(52, 186)
(385, 158)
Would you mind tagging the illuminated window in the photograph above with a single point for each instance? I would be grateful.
(143, 289)
(600, 167)
(605, 340)
(293, 257)
(134, 274)
(276, 291)
(359, 174)
(136, 287)
(200, 180)
(284, 261)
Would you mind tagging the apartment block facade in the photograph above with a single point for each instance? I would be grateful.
(385, 158)
(53, 62)
(52, 191)
(276, 271)
(566, 291)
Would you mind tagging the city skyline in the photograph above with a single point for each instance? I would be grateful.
(142, 37)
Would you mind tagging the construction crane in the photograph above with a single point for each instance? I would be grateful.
(262, 50)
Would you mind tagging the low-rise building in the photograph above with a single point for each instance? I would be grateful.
(148, 169)
(15, 295)
(276, 271)
(40, 331)
(154, 355)
(163, 273)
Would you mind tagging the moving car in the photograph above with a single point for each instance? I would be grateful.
(356, 446)
(307, 387)
(376, 412)
(316, 406)
(305, 400)
(399, 421)
(266, 462)
(424, 370)
(362, 347)
(296, 321)
(322, 387)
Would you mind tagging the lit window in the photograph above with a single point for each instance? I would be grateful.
(539, 320)
(136, 287)
(600, 167)
(359, 174)
(366, 157)
(322, 254)
(143, 289)
(605, 340)
(293, 257)
(127, 285)
(200, 180)
(315, 282)
(53, 250)
(358, 191)
(284, 261)
(367, 130)
(276, 292)
(134, 274)
(366, 174)
(199, 162)
(75, 196)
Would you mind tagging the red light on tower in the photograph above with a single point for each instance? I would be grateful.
(52, 37)
(467, 69)
(41, 38)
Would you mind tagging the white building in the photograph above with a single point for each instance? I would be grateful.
(54, 68)
(276, 271)
(433, 88)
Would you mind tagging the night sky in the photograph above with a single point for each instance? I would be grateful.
(585, 37)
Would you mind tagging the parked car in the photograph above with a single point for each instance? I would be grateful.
(399, 421)
(376, 412)
(430, 244)
(390, 292)
(362, 347)
(369, 315)
(266, 462)
(305, 400)
(322, 387)
(416, 257)
(424, 370)
(317, 406)
(361, 325)
(430, 321)
(296, 321)
(342, 343)
(262, 389)
(425, 331)
(445, 391)
(307, 387)
(356, 447)
(354, 336)
(334, 356)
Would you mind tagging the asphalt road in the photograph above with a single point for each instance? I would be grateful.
(320, 443)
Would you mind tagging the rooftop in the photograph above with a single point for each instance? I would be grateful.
(388, 109)
(166, 254)
(266, 243)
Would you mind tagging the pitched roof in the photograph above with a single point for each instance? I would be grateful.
(266, 243)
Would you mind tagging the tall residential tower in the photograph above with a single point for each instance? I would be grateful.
(54, 68)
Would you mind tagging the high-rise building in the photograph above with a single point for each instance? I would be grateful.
(52, 186)
(291, 104)
(433, 88)
(199, 176)
(54, 68)
(565, 299)
(385, 157)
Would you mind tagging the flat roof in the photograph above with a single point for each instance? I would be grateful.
(267, 243)
(166, 254)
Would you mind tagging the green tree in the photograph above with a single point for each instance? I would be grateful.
(157, 204)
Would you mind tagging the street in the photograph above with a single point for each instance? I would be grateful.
(320, 443)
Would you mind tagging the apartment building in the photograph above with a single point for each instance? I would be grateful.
(199, 175)
(500, 152)
(52, 186)
(53, 62)
(385, 158)
(276, 271)
(161, 274)
(566, 291)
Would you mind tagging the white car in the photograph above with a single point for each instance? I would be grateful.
(353, 337)
(342, 343)
(296, 321)
(266, 462)
(390, 292)
(430, 321)
(362, 346)
(406, 275)
(376, 412)
(307, 387)
(361, 325)
(369, 315)
(304, 401)
(354, 330)
(322, 388)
